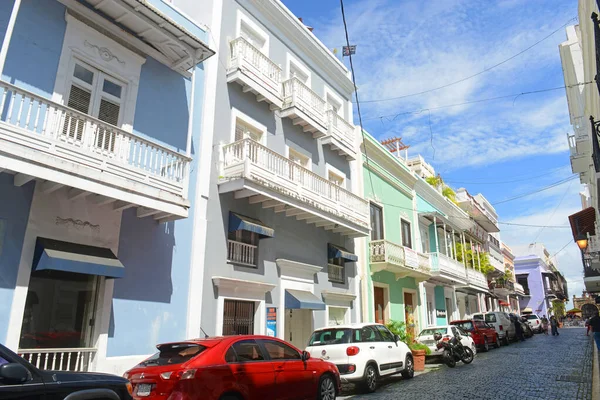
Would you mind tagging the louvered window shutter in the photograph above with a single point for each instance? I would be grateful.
(79, 99)
(109, 113)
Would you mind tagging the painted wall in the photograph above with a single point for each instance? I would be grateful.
(15, 203)
(440, 304)
(32, 59)
(534, 266)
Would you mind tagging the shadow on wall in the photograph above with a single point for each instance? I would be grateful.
(146, 250)
(162, 108)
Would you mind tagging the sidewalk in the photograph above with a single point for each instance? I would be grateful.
(595, 373)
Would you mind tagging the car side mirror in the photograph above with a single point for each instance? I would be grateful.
(468, 334)
(305, 355)
(396, 338)
(14, 373)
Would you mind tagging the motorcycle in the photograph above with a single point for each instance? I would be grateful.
(454, 350)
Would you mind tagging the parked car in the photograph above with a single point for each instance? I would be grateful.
(21, 380)
(363, 352)
(534, 322)
(483, 334)
(501, 322)
(527, 332)
(232, 368)
(447, 331)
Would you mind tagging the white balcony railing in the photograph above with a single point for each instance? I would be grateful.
(282, 174)
(335, 273)
(245, 56)
(53, 127)
(476, 278)
(340, 129)
(297, 94)
(384, 251)
(497, 264)
(72, 359)
(242, 253)
(444, 265)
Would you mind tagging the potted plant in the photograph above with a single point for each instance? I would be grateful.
(419, 350)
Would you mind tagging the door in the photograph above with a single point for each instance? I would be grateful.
(370, 342)
(378, 295)
(293, 379)
(298, 327)
(238, 317)
(395, 353)
(251, 369)
(409, 314)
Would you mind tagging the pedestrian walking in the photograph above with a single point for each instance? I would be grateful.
(588, 327)
(518, 329)
(545, 325)
(594, 323)
(554, 326)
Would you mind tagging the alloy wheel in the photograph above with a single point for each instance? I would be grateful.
(327, 390)
(486, 346)
(409, 371)
(371, 381)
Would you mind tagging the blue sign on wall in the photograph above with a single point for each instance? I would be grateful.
(271, 321)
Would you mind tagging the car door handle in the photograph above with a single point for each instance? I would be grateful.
(372, 347)
(389, 347)
(279, 368)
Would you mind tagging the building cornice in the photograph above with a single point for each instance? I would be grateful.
(297, 269)
(281, 17)
(338, 296)
(374, 152)
(453, 212)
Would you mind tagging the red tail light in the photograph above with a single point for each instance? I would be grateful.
(501, 328)
(537, 322)
(352, 351)
(445, 338)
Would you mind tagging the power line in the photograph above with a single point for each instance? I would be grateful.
(474, 75)
(553, 212)
(538, 190)
(394, 116)
(500, 182)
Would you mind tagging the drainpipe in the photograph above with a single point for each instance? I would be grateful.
(8, 34)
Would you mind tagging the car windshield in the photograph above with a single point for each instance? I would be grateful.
(531, 316)
(330, 336)
(490, 317)
(433, 331)
(174, 353)
(465, 325)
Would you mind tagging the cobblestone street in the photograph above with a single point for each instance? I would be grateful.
(543, 367)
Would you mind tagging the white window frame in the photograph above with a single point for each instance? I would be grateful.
(346, 317)
(289, 150)
(330, 93)
(330, 168)
(257, 30)
(88, 46)
(291, 60)
(237, 114)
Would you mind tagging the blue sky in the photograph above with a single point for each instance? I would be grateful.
(410, 46)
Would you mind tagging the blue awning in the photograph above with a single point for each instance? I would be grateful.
(301, 299)
(71, 257)
(334, 251)
(239, 222)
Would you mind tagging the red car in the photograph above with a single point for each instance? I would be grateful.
(233, 368)
(484, 335)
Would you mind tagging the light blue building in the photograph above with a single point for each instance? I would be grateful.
(100, 178)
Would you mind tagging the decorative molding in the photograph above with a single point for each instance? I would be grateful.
(104, 52)
(77, 223)
(339, 296)
(297, 269)
(242, 284)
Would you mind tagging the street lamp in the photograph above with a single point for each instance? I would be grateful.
(582, 242)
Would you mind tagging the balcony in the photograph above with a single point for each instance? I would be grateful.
(580, 161)
(75, 359)
(550, 293)
(340, 135)
(335, 273)
(242, 253)
(61, 147)
(498, 266)
(477, 280)
(519, 290)
(304, 107)
(401, 261)
(502, 287)
(255, 72)
(447, 269)
(251, 170)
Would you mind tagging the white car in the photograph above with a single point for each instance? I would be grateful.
(362, 352)
(447, 331)
(535, 323)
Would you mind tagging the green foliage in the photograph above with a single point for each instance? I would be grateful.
(450, 194)
(399, 328)
(473, 259)
(558, 308)
(437, 182)
(434, 181)
(508, 276)
(420, 346)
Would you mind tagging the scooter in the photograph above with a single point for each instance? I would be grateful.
(454, 351)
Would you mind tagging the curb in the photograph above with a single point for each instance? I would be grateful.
(595, 373)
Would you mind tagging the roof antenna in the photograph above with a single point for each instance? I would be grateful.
(205, 335)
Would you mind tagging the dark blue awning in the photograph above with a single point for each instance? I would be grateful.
(71, 257)
(239, 222)
(301, 299)
(334, 251)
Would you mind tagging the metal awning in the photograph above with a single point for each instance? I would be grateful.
(441, 219)
(583, 222)
(77, 258)
(334, 251)
(239, 222)
(302, 299)
(157, 24)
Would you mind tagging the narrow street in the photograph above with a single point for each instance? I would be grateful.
(543, 367)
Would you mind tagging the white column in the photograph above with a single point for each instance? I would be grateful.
(464, 247)
(8, 34)
(435, 235)
(456, 314)
(445, 240)
(478, 259)
(454, 245)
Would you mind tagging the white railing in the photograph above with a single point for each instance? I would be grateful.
(335, 273)
(572, 145)
(496, 263)
(297, 94)
(90, 138)
(67, 359)
(242, 253)
(245, 55)
(477, 278)
(390, 252)
(340, 129)
(287, 177)
(519, 289)
(441, 263)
